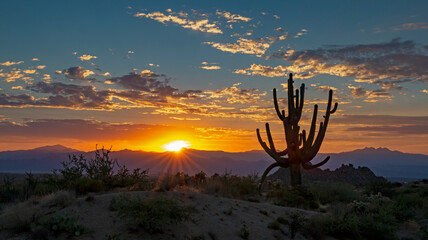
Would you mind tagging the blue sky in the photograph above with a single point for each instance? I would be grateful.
(141, 65)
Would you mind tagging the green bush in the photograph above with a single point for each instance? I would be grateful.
(371, 218)
(153, 214)
(296, 197)
(334, 192)
(233, 186)
(63, 223)
(97, 174)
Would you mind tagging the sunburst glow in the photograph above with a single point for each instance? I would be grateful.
(176, 146)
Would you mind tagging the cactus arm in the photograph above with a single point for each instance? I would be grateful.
(283, 153)
(308, 165)
(313, 128)
(302, 96)
(290, 99)
(275, 103)
(297, 99)
(334, 108)
(323, 128)
(269, 135)
(268, 169)
(271, 152)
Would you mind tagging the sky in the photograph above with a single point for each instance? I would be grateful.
(140, 74)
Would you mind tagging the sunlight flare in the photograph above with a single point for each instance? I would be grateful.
(176, 146)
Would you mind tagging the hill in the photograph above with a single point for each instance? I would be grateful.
(382, 161)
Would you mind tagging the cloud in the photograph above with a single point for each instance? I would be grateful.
(385, 64)
(357, 91)
(210, 66)
(146, 81)
(267, 71)
(76, 73)
(17, 88)
(29, 71)
(202, 25)
(256, 46)
(236, 95)
(411, 26)
(388, 124)
(232, 17)
(40, 67)
(12, 76)
(86, 57)
(9, 63)
(424, 91)
(35, 59)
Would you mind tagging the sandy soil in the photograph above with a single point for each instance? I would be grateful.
(215, 218)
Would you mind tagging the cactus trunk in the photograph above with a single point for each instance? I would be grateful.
(295, 175)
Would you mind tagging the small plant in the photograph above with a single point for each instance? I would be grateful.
(282, 220)
(244, 232)
(334, 192)
(274, 225)
(64, 223)
(153, 214)
(297, 222)
(115, 236)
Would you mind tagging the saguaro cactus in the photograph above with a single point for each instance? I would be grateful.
(300, 149)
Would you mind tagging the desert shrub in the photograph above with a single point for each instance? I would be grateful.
(97, 174)
(405, 205)
(274, 225)
(18, 217)
(60, 199)
(244, 232)
(371, 218)
(168, 182)
(115, 236)
(63, 223)
(8, 190)
(296, 223)
(386, 188)
(300, 197)
(233, 186)
(153, 214)
(334, 192)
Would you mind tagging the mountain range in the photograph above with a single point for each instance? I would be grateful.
(382, 161)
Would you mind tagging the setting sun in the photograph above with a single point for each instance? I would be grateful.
(175, 146)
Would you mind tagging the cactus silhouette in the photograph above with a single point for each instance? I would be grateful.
(301, 149)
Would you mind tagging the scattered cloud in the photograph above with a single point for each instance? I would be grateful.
(276, 16)
(385, 64)
(232, 17)
(86, 57)
(202, 25)
(40, 67)
(424, 91)
(256, 46)
(17, 88)
(35, 59)
(266, 71)
(411, 26)
(9, 63)
(76, 73)
(210, 66)
(12, 76)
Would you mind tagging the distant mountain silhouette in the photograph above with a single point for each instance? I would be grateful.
(382, 161)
